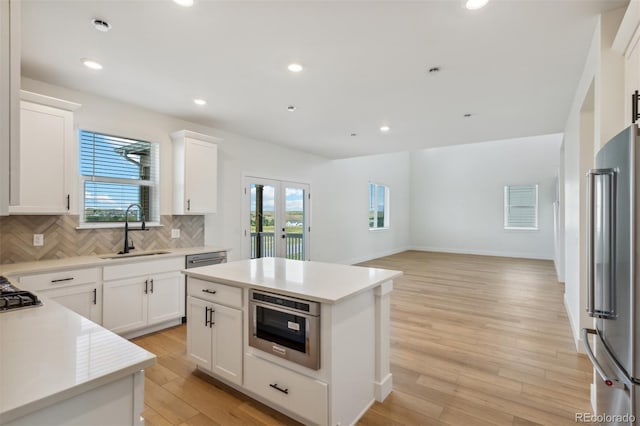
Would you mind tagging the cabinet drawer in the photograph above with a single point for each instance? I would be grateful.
(304, 396)
(214, 292)
(58, 279)
(143, 268)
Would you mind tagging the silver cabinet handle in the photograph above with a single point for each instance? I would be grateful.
(609, 381)
(602, 311)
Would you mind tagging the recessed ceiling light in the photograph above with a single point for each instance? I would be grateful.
(92, 63)
(291, 108)
(101, 25)
(184, 3)
(295, 67)
(475, 4)
(385, 129)
(199, 101)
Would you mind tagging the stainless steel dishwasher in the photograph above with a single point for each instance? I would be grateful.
(201, 259)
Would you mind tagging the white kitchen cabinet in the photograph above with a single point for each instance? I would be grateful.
(214, 338)
(78, 289)
(134, 303)
(195, 173)
(85, 300)
(44, 170)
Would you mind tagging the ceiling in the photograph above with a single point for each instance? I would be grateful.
(514, 65)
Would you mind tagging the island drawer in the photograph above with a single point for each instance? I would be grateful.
(57, 279)
(215, 292)
(292, 391)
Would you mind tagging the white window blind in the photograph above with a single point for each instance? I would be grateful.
(521, 207)
(115, 173)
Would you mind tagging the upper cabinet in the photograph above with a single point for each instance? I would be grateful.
(195, 173)
(9, 93)
(43, 173)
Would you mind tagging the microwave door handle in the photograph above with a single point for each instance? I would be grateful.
(609, 381)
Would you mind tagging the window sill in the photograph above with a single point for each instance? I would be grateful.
(379, 229)
(119, 225)
(520, 229)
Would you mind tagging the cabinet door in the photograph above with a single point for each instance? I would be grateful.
(227, 343)
(201, 177)
(124, 305)
(84, 300)
(166, 297)
(44, 132)
(199, 332)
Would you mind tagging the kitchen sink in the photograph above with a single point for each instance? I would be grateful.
(128, 255)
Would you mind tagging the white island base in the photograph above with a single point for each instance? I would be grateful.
(354, 337)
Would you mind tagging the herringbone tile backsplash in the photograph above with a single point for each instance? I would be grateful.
(62, 239)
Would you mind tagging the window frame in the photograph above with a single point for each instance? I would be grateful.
(153, 184)
(386, 218)
(505, 203)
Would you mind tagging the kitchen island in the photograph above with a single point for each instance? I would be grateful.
(353, 342)
(57, 367)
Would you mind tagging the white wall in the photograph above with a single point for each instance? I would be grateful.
(457, 196)
(596, 114)
(339, 208)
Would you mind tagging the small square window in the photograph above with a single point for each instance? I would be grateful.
(521, 207)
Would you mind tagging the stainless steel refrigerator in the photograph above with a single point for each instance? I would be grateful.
(613, 262)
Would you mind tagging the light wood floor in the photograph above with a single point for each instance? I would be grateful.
(474, 341)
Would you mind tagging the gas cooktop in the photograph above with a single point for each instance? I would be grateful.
(12, 297)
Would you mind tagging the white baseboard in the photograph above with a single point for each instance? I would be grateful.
(484, 252)
(383, 388)
(372, 256)
(575, 331)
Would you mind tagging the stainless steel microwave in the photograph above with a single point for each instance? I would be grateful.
(286, 327)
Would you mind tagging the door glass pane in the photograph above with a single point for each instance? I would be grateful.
(262, 216)
(294, 223)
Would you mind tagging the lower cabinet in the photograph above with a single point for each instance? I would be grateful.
(295, 392)
(83, 299)
(134, 303)
(214, 338)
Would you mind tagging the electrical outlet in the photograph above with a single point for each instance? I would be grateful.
(38, 240)
(175, 233)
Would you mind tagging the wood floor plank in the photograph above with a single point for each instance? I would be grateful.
(475, 340)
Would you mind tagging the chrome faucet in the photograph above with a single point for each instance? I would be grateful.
(128, 247)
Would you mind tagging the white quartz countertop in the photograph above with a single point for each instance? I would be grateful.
(50, 353)
(96, 260)
(316, 281)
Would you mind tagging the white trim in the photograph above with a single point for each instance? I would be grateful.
(48, 101)
(539, 256)
(575, 332)
(372, 256)
(627, 28)
(383, 388)
(181, 134)
(111, 225)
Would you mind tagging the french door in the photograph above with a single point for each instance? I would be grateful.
(276, 220)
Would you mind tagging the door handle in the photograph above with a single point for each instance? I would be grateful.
(189, 204)
(211, 323)
(95, 296)
(608, 312)
(146, 286)
(151, 285)
(206, 316)
(609, 381)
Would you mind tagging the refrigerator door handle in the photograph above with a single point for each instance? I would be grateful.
(600, 312)
(609, 381)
